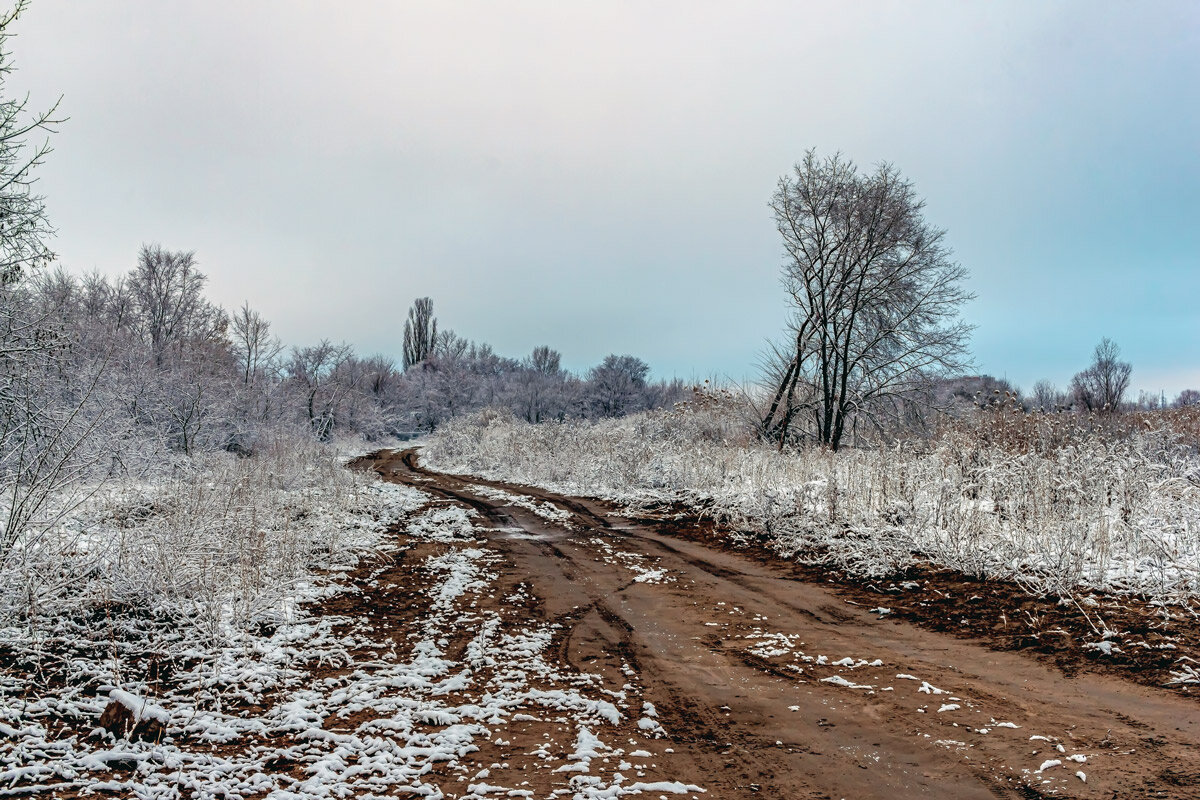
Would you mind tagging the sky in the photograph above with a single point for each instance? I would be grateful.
(595, 175)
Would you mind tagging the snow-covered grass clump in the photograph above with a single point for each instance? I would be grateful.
(176, 567)
(1082, 509)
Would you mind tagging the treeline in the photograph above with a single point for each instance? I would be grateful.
(1101, 387)
(145, 357)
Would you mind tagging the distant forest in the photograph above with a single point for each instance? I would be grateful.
(146, 357)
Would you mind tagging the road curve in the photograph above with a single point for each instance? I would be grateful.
(770, 686)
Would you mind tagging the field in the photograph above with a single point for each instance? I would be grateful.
(656, 605)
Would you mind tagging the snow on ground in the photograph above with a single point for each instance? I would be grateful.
(640, 566)
(1188, 672)
(961, 715)
(226, 642)
(317, 705)
(543, 508)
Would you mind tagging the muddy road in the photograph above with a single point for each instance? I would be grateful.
(766, 685)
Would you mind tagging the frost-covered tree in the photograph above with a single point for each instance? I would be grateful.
(253, 343)
(617, 386)
(46, 414)
(187, 392)
(545, 361)
(420, 332)
(365, 401)
(538, 390)
(310, 370)
(182, 376)
(169, 305)
(24, 228)
(1102, 386)
(875, 295)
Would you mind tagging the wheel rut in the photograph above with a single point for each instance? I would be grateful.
(769, 685)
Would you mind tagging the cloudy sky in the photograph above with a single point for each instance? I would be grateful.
(595, 175)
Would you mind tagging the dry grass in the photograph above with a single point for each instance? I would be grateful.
(188, 559)
(1055, 502)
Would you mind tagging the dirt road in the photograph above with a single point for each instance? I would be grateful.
(769, 686)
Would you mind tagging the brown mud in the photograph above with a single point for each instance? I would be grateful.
(771, 680)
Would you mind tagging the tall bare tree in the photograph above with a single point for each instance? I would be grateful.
(252, 341)
(876, 298)
(45, 421)
(420, 332)
(1102, 386)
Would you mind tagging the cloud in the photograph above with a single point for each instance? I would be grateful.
(595, 175)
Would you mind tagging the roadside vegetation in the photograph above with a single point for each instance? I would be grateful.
(1057, 503)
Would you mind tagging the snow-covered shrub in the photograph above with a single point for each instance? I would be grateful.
(1054, 504)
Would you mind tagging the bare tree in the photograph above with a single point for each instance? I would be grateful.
(536, 388)
(168, 293)
(46, 416)
(545, 360)
(1046, 397)
(366, 394)
(381, 376)
(252, 341)
(1102, 386)
(185, 399)
(311, 368)
(420, 332)
(23, 224)
(1186, 398)
(45, 424)
(449, 346)
(618, 386)
(876, 298)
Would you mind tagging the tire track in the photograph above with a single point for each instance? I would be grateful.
(753, 721)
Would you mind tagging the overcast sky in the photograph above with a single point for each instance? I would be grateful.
(595, 176)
